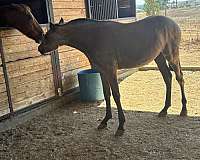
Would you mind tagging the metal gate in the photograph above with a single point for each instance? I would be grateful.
(111, 9)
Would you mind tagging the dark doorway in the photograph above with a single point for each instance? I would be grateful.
(38, 8)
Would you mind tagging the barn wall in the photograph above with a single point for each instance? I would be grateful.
(71, 60)
(31, 77)
(30, 74)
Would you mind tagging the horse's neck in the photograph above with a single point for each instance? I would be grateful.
(77, 39)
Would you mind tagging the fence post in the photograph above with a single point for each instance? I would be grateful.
(57, 77)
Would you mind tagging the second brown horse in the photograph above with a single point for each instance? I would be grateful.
(110, 46)
(19, 16)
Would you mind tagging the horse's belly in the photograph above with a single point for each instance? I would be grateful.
(136, 61)
(133, 65)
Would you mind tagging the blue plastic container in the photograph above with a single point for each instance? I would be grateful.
(90, 85)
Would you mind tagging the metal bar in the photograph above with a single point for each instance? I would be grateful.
(117, 10)
(96, 9)
(5, 73)
(89, 8)
(104, 10)
(107, 10)
(184, 68)
(111, 10)
(100, 12)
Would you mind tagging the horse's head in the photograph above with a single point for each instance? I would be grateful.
(22, 19)
(52, 39)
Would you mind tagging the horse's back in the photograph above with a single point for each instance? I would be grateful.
(143, 41)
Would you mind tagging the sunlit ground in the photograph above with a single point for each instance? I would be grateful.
(145, 91)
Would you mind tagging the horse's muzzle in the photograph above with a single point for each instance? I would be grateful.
(41, 50)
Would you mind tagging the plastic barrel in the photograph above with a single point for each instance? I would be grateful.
(90, 85)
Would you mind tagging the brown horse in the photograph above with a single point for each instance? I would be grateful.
(19, 16)
(110, 46)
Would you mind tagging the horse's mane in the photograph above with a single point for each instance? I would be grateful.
(82, 20)
(15, 6)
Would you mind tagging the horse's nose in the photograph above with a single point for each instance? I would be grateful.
(38, 41)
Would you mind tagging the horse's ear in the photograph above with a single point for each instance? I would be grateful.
(51, 25)
(16, 6)
(26, 7)
(61, 21)
(20, 6)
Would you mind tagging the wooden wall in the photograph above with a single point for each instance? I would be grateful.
(31, 77)
(30, 74)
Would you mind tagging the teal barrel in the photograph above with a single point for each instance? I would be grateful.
(90, 85)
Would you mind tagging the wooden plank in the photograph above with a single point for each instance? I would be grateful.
(28, 101)
(69, 4)
(4, 109)
(33, 89)
(17, 46)
(29, 65)
(68, 11)
(11, 32)
(15, 40)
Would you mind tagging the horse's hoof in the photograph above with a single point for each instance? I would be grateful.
(183, 113)
(162, 114)
(119, 132)
(102, 126)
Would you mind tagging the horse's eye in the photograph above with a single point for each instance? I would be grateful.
(44, 42)
(45, 36)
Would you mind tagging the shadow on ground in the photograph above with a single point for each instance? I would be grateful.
(70, 133)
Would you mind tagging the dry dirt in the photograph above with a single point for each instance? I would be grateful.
(70, 132)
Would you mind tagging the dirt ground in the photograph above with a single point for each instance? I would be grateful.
(70, 132)
(190, 53)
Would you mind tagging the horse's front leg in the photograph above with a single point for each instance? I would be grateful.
(116, 95)
(107, 94)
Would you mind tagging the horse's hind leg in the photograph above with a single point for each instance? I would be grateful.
(179, 77)
(167, 76)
